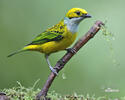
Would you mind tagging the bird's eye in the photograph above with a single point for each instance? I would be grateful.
(78, 13)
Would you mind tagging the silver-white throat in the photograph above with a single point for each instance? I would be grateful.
(73, 23)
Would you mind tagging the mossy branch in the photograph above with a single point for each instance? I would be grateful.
(60, 64)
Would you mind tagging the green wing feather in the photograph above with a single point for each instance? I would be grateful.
(42, 38)
(46, 36)
(50, 34)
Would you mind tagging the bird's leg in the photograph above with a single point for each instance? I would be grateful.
(71, 50)
(48, 62)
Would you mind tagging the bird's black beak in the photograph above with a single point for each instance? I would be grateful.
(87, 16)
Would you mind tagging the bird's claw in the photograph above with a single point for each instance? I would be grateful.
(71, 50)
(53, 70)
(61, 62)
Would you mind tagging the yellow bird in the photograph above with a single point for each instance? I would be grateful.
(59, 37)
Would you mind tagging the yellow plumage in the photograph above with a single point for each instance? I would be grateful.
(61, 45)
(54, 46)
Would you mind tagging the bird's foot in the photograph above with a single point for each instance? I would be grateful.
(71, 50)
(53, 70)
(61, 62)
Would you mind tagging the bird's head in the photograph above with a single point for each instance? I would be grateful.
(77, 14)
(74, 17)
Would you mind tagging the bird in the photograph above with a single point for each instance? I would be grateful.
(58, 37)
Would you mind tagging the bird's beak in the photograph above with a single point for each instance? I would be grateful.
(87, 16)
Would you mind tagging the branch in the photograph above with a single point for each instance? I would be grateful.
(60, 64)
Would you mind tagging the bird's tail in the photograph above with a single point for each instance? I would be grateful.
(16, 52)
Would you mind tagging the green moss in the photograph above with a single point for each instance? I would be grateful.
(110, 37)
(22, 93)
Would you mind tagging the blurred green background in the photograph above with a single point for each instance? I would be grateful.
(95, 68)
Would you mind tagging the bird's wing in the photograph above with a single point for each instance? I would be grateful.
(47, 36)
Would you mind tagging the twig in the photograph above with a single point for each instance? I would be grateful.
(60, 64)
